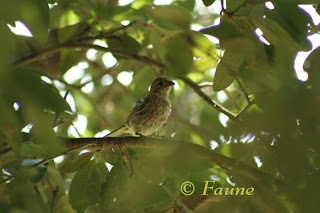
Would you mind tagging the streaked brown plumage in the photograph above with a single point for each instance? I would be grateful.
(150, 112)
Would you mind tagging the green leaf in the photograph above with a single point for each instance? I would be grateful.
(114, 193)
(272, 29)
(207, 3)
(181, 46)
(77, 163)
(146, 195)
(32, 149)
(225, 31)
(28, 86)
(61, 17)
(111, 156)
(10, 125)
(68, 58)
(33, 13)
(227, 70)
(5, 207)
(120, 13)
(275, 34)
(6, 51)
(104, 172)
(40, 170)
(36, 16)
(258, 58)
(296, 26)
(177, 54)
(170, 16)
(155, 39)
(202, 48)
(138, 4)
(233, 5)
(125, 43)
(312, 66)
(56, 180)
(85, 187)
(71, 31)
(188, 4)
(27, 197)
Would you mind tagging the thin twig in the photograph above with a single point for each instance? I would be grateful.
(243, 90)
(97, 77)
(244, 109)
(4, 151)
(231, 99)
(250, 102)
(222, 5)
(205, 84)
(76, 130)
(66, 94)
(211, 102)
(52, 157)
(201, 131)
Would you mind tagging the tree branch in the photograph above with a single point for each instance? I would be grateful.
(111, 33)
(230, 164)
(36, 55)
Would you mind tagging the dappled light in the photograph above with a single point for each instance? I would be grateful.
(234, 126)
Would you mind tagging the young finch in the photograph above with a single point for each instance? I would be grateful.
(150, 112)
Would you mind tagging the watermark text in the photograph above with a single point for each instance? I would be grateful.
(187, 188)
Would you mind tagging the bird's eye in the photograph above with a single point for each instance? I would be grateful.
(160, 83)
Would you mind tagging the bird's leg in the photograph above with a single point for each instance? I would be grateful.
(156, 135)
(141, 135)
(128, 159)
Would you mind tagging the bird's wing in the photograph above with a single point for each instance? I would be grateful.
(140, 107)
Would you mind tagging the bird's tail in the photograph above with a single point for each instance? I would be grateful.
(122, 129)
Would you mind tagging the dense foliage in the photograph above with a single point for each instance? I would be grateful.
(236, 93)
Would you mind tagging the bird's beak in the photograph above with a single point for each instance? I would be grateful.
(170, 83)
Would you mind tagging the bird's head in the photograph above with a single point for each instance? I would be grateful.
(161, 86)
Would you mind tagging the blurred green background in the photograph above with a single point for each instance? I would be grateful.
(75, 69)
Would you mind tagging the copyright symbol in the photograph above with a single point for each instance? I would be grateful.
(187, 188)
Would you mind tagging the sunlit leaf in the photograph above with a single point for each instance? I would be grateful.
(182, 46)
(171, 17)
(227, 70)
